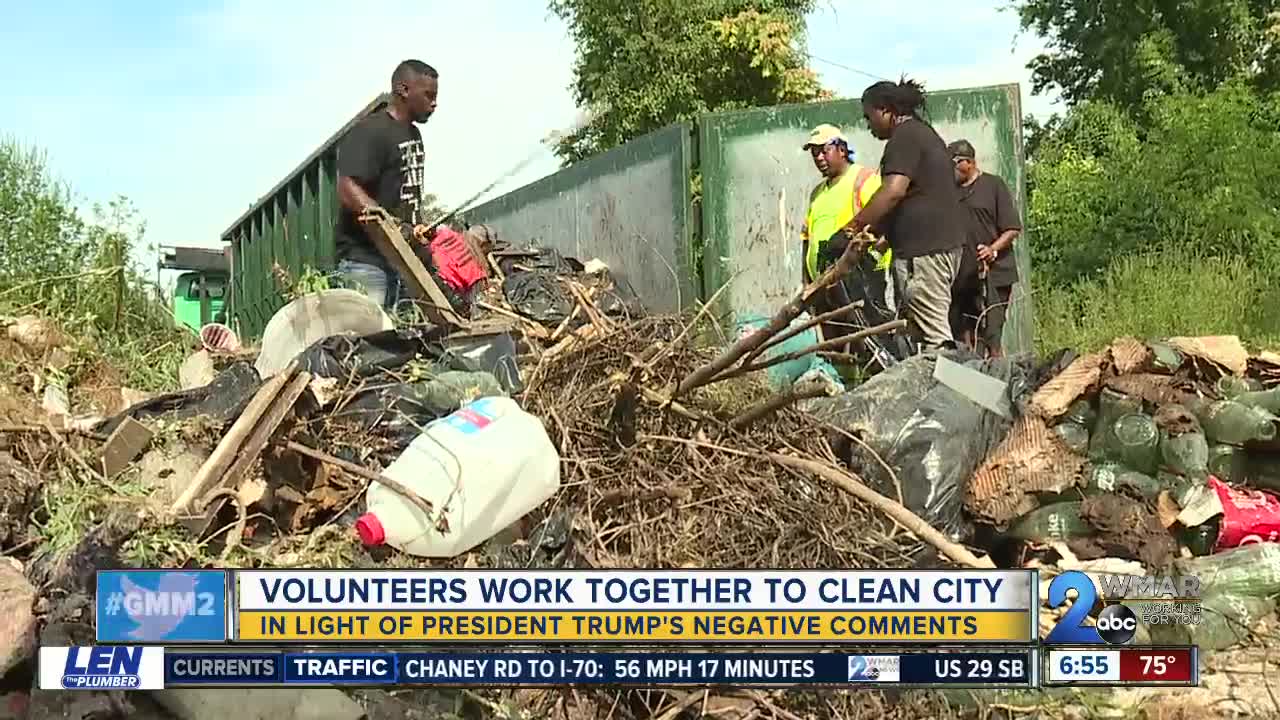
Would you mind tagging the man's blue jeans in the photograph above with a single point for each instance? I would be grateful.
(381, 286)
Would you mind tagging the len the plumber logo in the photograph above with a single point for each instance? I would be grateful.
(1161, 599)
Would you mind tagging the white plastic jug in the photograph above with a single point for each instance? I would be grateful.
(483, 467)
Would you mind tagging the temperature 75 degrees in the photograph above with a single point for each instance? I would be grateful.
(1157, 665)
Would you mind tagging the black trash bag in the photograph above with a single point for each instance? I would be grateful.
(618, 299)
(932, 437)
(399, 411)
(544, 259)
(220, 401)
(394, 412)
(363, 356)
(494, 354)
(1052, 367)
(539, 295)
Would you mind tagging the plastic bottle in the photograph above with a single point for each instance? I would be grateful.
(1137, 442)
(482, 468)
(1075, 435)
(1227, 421)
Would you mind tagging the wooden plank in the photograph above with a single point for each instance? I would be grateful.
(265, 428)
(123, 446)
(385, 233)
(224, 454)
(281, 406)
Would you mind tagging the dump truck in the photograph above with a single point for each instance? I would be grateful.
(200, 292)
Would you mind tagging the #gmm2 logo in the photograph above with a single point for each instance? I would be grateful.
(1117, 623)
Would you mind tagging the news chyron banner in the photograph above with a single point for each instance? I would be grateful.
(149, 667)
(636, 606)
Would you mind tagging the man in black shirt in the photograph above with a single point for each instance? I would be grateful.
(993, 226)
(917, 209)
(380, 165)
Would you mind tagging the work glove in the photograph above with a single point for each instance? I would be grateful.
(835, 246)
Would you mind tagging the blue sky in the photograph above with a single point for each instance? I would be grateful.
(194, 109)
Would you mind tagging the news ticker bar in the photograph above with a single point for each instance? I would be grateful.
(152, 667)
(1178, 666)
(619, 607)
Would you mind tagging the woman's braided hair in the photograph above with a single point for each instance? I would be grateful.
(903, 98)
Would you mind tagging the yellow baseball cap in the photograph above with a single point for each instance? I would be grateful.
(822, 135)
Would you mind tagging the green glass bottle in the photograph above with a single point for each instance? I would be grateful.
(1230, 422)
(1075, 435)
(1268, 400)
(1112, 406)
(1185, 454)
(1228, 463)
(1137, 442)
(1201, 539)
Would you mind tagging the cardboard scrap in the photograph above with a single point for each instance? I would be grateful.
(1032, 459)
(1167, 509)
(1129, 355)
(126, 443)
(1202, 503)
(1150, 387)
(1054, 397)
(1224, 350)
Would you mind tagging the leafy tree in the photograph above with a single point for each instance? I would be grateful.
(643, 64)
(1203, 172)
(1124, 51)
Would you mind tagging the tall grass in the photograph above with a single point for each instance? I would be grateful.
(1166, 293)
(80, 272)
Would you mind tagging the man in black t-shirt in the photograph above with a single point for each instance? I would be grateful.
(917, 209)
(993, 226)
(380, 165)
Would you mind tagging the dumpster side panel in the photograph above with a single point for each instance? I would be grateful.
(629, 206)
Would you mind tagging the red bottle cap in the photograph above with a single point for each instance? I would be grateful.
(370, 529)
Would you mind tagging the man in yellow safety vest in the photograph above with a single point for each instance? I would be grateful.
(846, 187)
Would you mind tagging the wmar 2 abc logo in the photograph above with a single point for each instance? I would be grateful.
(860, 669)
(1116, 625)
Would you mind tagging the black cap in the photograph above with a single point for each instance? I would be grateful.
(961, 149)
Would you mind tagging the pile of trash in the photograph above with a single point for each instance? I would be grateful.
(1164, 453)
(345, 440)
(341, 439)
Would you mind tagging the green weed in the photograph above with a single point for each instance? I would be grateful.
(1161, 294)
